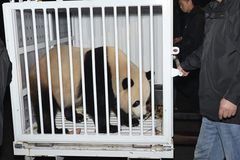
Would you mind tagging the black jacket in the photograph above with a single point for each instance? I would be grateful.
(5, 78)
(219, 59)
(186, 88)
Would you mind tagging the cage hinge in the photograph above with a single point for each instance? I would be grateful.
(168, 148)
(160, 148)
(44, 144)
(176, 72)
(141, 146)
(18, 145)
(175, 50)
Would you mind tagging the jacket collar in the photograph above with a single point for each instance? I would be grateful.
(216, 9)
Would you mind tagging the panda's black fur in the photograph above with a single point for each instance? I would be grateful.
(100, 89)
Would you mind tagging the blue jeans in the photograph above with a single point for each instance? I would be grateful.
(218, 140)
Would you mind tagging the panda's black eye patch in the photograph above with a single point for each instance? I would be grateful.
(136, 103)
(125, 83)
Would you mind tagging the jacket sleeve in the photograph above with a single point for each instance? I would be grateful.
(235, 29)
(233, 92)
(193, 38)
(193, 61)
(5, 78)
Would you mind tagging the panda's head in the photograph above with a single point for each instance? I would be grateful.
(135, 94)
(124, 80)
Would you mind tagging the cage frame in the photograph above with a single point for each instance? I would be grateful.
(140, 146)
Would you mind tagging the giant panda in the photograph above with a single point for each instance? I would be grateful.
(100, 87)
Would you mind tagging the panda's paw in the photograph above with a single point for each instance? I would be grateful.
(113, 129)
(60, 131)
(69, 116)
(79, 118)
(135, 122)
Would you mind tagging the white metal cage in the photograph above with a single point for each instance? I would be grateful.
(141, 28)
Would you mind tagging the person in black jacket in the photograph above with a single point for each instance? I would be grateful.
(186, 88)
(219, 90)
(193, 32)
(5, 79)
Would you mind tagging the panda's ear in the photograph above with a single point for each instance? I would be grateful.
(125, 83)
(148, 75)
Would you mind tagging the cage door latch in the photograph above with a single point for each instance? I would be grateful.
(176, 72)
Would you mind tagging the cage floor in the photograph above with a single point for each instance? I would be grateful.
(147, 126)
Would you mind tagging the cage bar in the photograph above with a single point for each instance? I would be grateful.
(49, 67)
(105, 69)
(27, 74)
(60, 69)
(50, 26)
(129, 72)
(82, 69)
(117, 66)
(140, 66)
(37, 59)
(152, 69)
(71, 70)
(94, 71)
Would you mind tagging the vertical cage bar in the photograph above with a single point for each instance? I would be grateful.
(60, 68)
(129, 72)
(27, 75)
(140, 67)
(82, 70)
(94, 71)
(37, 59)
(105, 68)
(49, 68)
(167, 71)
(74, 29)
(50, 26)
(117, 67)
(71, 70)
(152, 69)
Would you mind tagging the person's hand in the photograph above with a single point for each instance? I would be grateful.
(226, 109)
(177, 40)
(184, 73)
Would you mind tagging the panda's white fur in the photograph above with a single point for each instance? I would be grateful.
(89, 87)
(65, 73)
